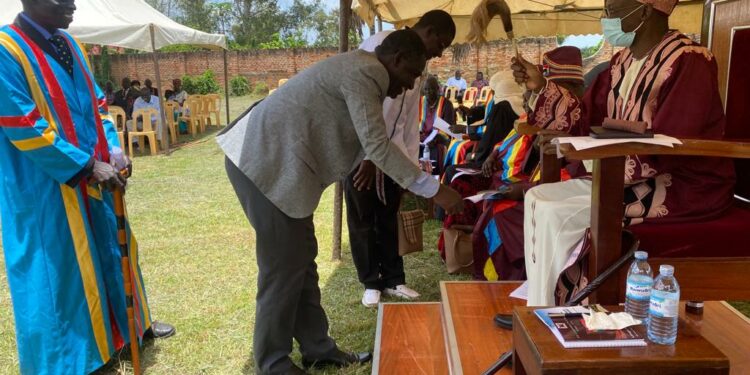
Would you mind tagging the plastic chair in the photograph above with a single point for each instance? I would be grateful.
(191, 114)
(451, 93)
(470, 95)
(211, 107)
(484, 94)
(117, 114)
(147, 132)
(170, 108)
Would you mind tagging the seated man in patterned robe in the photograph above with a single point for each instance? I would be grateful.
(662, 78)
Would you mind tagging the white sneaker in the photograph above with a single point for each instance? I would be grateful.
(402, 291)
(371, 298)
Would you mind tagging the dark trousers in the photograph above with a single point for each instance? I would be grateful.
(373, 234)
(288, 299)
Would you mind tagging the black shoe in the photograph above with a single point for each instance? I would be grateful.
(160, 330)
(338, 359)
(504, 321)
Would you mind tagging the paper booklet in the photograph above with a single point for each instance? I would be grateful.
(571, 331)
(445, 127)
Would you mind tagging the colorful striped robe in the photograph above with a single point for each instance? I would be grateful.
(60, 245)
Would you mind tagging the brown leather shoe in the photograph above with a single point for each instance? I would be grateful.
(338, 359)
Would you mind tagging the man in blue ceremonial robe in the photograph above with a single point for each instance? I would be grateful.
(59, 157)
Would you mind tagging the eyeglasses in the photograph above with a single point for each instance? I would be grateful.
(607, 13)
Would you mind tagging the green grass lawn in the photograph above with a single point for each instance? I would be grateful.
(198, 262)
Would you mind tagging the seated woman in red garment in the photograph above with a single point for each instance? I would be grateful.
(662, 78)
(511, 161)
(432, 141)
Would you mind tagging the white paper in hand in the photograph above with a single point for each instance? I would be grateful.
(446, 128)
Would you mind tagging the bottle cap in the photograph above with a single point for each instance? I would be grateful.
(666, 270)
(641, 255)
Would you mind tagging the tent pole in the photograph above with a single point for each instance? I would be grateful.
(226, 86)
(164, 131)
(338, 197)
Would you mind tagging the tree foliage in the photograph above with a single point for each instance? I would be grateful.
(261, 24)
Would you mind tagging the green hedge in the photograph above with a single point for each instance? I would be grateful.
(261, 89)
(201, 84)
(239, 86)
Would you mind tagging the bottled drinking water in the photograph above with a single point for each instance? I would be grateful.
(638, 287)
(664, 307)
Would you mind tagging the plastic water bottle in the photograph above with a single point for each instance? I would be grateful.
(638, 287)
(664, 307)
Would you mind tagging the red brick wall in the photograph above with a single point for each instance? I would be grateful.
(271, 65)
(495, 56)
(263, 65)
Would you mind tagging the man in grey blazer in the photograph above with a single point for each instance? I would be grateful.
(280, 157)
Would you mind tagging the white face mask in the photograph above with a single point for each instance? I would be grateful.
(613, 33)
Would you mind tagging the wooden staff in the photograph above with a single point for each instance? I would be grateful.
(126, 276)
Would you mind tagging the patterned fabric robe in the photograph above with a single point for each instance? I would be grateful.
(498, 232)
(59, 241)
(675, 92)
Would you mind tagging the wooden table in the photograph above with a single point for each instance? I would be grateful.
(474, 343)
(537, 351)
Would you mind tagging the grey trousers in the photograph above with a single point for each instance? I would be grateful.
(288, 300)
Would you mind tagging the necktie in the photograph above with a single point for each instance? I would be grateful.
(63, 51)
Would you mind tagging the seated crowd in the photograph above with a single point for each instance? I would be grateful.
(132, 97)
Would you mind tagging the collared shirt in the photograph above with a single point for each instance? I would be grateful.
(153, 103)
(460, 83)
(44, 32)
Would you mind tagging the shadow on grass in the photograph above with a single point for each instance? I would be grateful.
(121, 362)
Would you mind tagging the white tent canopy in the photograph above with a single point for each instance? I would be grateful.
(124, 23)
(130, 24)
(530, 18)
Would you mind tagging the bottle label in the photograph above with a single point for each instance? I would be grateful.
(639, 287)
(664, 304)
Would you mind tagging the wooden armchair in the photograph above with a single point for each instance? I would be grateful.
(711, 277)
